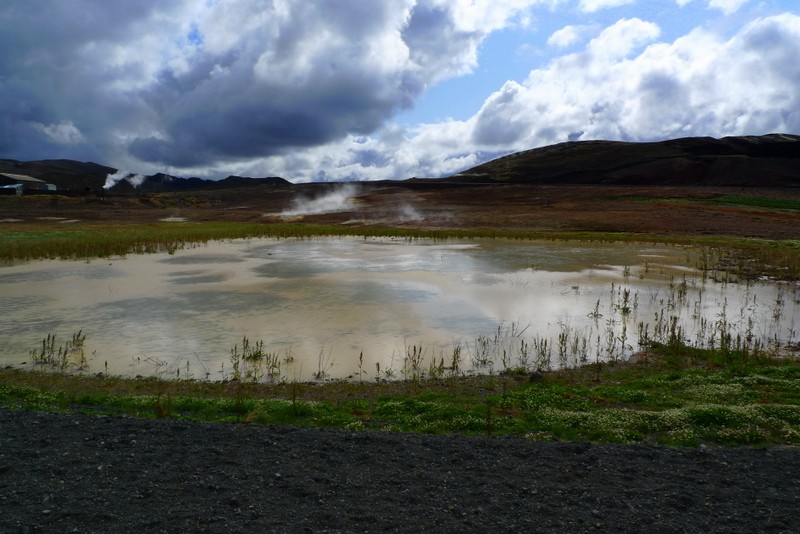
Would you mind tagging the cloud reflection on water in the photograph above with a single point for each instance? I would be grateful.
(347, 296)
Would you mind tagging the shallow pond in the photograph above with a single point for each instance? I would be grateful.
(350, 307)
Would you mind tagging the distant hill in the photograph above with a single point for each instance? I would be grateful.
(754, 161)
(64, 173)
(164, 182)
(78, 176)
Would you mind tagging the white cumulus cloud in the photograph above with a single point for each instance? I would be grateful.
(595, 5)
(616, 89)
(568, 35)
(309, 90)
(726, 6)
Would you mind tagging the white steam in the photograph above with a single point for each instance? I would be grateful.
(113, 179)
(408, 213)
(341, 199)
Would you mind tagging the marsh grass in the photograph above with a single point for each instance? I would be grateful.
(21, 242)
(675, 396)
(766, 203)
(691, 318)
(757, 202)
(725, 386)
(742, 257)
(69, 355)
(251, 363)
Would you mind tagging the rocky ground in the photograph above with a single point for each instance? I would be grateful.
(74, 473)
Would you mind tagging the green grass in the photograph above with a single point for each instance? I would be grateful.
(765, 203)
(758, 202)
(27, 242)
(664, 401)
(747, 257)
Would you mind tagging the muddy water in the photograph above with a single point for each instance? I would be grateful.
(337, 307)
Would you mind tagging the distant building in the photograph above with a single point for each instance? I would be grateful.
(22, 182)
(13, 189)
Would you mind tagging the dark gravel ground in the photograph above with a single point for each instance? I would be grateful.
(74, 473)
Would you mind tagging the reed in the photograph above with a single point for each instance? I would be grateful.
(69, 355)
(754, 403)
(743, 257)
(611, 332)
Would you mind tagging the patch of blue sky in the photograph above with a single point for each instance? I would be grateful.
(513, 52)
(194, 37)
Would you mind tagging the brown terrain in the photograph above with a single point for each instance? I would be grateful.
(680, 210)
(679, 187)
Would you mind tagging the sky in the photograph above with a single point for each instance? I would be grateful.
(339, 90)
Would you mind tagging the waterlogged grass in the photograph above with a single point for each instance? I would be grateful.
(755, 403)
(741, 257)
(678, 396)
(27, 242)
(22, 242)
(758, 202)
(766, 203)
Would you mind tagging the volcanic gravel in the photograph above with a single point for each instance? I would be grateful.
(81, 473)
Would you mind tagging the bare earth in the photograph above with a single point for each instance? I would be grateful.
(636, 209)
(105, 474)
(110, 474)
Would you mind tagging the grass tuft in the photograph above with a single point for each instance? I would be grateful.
(669, 401)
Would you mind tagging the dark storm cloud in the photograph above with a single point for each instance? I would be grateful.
(246, 112)
(435, 41)
(189, 84)
(48, 84)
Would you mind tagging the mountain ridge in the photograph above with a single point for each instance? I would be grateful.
(771, 160)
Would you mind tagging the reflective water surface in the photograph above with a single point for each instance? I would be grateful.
(349, 307)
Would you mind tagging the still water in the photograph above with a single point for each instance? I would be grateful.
(350, 307)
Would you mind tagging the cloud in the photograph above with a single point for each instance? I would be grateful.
(556, 101)
(64, 133)
(568, 35)
(624, 85)
(308, 90)
(501, 121)
(590, 6)
(622, 38)
(726, 6)
(185, 84)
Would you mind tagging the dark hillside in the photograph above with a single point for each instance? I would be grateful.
(64, 173)
(754, 161)
(764, 161)
(78, 176)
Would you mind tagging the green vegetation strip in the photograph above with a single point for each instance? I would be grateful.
(758, 202)
(729, 200)
(24, 242)
(667, 401)
(28, 242)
